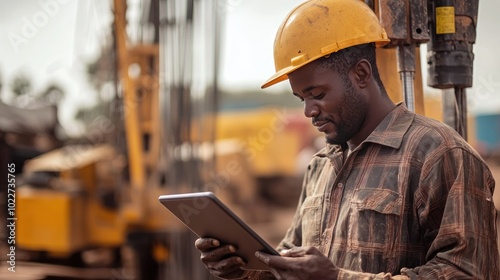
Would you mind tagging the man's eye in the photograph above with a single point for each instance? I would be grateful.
(318, 95)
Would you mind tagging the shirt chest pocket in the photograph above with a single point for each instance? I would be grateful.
(311, 211)
(376, 220)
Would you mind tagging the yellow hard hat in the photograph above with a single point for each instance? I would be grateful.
(319, 27)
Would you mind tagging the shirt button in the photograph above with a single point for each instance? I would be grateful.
(340, 185)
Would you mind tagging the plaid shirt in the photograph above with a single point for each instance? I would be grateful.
(413, 200)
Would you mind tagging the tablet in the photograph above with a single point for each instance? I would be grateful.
(205, 215)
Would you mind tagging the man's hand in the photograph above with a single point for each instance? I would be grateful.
(220, 260)
(300, 263)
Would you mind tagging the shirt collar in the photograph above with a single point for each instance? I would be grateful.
(389, 132)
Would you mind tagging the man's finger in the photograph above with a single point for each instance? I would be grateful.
(274, 261)
(294, 252)
(206, 244)
(226, 266)
(217, 253)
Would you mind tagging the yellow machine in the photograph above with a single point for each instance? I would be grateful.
(101, 196)
(67, 217)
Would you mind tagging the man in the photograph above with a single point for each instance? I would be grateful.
(394, 195)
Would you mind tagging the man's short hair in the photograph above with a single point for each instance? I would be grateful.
(343, 60)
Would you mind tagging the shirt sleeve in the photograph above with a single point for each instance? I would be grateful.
(454, 206)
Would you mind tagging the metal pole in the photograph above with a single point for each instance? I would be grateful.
(455, 109)
(461, 99)
(406, 69)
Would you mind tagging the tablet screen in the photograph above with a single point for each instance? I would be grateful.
(207, 216)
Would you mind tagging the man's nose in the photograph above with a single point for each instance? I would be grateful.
(311, 110)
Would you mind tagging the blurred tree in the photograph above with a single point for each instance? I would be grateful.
(20, 86)
(52, 95)
(100, 72)
(88, 114)
(24, 97)
(22, 89)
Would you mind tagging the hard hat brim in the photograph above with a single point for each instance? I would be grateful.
(282, 75)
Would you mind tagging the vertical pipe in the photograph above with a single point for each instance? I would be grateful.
(406, 69)
(455, 109)
(461, 99)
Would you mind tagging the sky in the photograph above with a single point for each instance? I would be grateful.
(52, 40)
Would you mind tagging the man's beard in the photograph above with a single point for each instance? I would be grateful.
(351, 116)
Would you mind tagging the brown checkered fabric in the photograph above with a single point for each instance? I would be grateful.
(414, 200)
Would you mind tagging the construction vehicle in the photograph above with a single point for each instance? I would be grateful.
(170, 137)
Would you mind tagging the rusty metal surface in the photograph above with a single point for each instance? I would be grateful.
(448, 69)
(404, 21)
(419, 21)
(450, 56)
(394, 16)
(466, 20)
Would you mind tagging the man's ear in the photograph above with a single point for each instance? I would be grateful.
(362, 73)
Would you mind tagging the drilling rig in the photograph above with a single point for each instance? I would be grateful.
(169, 135)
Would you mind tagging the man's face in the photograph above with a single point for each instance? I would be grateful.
(330, 100)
